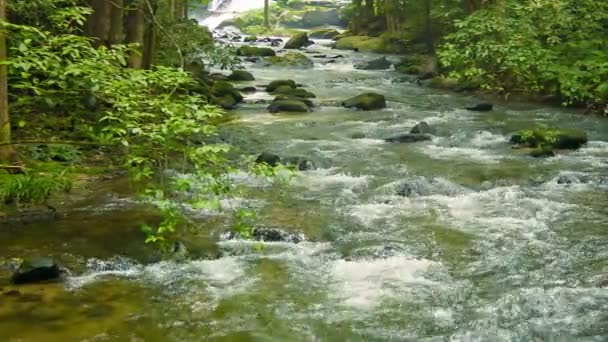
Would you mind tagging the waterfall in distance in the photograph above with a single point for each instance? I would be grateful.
(221, 10)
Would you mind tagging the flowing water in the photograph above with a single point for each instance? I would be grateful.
(487, 246)
(221, 10)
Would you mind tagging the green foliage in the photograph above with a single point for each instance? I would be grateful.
(31, 188)
(244, 222)
(554, 47)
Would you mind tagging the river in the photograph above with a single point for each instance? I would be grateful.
(486, 246)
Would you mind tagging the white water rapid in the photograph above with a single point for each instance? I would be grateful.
(221, 10)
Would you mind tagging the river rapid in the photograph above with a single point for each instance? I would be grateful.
(460, 238)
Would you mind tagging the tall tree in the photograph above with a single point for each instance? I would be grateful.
(6, 151)
(136, 31)
(267, 13)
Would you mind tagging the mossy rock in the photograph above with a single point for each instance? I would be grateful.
(277, 83)
(298, 41)
(250, 39)
(298, 92)
(254, 51)
(366, 101)
(222, 88)
(361, 43)
(36, 270)
(291, 59)
(551, 138)
(542, 152)
(324, 34)
(241, 75)
(417, 64)
(292, 106)
(344, 35)
(441, 82)
(284, 97)
(226, 102)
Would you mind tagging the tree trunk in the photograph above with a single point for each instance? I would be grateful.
(136, 28)
(7, 154)
(100, 21)
(267, 13)
(428, 29)
(117, 22)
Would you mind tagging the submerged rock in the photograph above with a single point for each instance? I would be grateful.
(550, 138)
(240, 75)
(267, 234)
(276, 235)
(481, 107)
(422, 128)
(253, 51)
(409, 138)
(298, 41)
(376, 64)
(268, 158)
(366, 101)
(36, 270)
(300, 163)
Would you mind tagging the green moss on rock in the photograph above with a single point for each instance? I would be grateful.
(241, 75)
(222, 88)
(366, 101)
(324, 34)
(288, 106)
(568, 139)
(253, 51)
(298, 41)
(277, 83)
(291, 59)
(250, 39)
(361, 43)
(298, 92)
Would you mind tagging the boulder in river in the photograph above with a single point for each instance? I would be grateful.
(226, 102)
(409, 138)
(36, 270)
(250, 39)
(297, 92)
(249, 89)
(290, 59)
(553, 138)
(324, 34)
(276, 42)
(542, 152)
(366, 101)
(268, 158)
(253, 51)
(360, 43)
(222, 88)
(276, 235)
(277, 83)
(300, 163)
(298, 41)
(284, 97)
(377, 64)
(422, 128)
(290, 106)
(481, 107)
(240, 75)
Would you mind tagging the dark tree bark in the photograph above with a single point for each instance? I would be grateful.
(117, 32)
(7, 154)
(136, 28)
